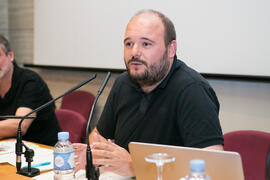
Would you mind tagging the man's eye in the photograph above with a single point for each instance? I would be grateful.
(146, 44)
(128, 44)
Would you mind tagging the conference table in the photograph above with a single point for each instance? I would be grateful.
(8, 172)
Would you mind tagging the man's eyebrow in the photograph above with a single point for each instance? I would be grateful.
(128, 38)
(143, 38)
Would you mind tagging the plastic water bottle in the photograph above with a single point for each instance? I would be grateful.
(197, 171)
(63, 158)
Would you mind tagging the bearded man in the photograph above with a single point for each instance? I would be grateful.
(158, 100)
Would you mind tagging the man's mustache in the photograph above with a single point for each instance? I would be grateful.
(137, 60)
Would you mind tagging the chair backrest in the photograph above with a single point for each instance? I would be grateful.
(72, 122)
(79, 101)
(267, 165)
(253, 147)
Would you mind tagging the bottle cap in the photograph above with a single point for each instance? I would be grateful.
(197, 165)
(63, 136)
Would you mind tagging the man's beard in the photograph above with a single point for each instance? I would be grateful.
(153, 73)
(4, 72)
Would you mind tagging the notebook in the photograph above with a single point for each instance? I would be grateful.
(219, 165)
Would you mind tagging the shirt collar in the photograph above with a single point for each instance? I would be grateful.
(16, 73)
(176, 65)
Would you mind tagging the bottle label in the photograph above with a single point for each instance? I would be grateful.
(64, 161)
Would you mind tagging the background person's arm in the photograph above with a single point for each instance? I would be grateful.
(9, 127)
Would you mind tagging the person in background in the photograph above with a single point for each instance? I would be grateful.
(21, 91)
(158, 100)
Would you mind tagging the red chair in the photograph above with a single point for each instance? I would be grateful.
(253, 146)
(72, 122)
(79, 101)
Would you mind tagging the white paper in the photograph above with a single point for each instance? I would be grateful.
(42, 155)
(45, 176)
(8, 146)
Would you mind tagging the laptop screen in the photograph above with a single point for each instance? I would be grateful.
(219, 165)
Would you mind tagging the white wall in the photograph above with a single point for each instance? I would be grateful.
(243, 104)
(220, 37)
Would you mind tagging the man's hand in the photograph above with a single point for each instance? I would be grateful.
(111, 157)
(80, 156)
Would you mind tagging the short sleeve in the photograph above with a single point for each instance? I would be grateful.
(199, 123)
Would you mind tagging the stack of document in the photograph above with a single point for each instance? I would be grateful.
(43, 158)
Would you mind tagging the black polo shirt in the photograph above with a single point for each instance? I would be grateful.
(182, 110)
(29, 90)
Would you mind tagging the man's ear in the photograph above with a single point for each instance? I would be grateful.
(11, 55)
(172, 49)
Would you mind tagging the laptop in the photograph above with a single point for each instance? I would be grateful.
(219, 165)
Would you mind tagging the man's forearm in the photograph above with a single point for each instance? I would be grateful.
(215, 147)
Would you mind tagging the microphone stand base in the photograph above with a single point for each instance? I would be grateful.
(33, 172)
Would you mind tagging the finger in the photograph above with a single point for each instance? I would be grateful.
(76, 158)
(78, 145)
(78, 153)
(77, 168)
(75, 144)
(104, 146)
(95, 137)
(112, 143)
(101, 154)
(104, 162)
(79, 165)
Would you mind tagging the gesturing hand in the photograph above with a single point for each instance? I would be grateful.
(111, 157)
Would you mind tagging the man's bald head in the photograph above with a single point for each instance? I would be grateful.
(169, 34)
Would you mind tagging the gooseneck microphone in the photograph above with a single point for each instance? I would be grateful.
(16, 117)
(92, 173)
(29, 153)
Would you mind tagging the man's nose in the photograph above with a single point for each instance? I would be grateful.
(136, 51)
